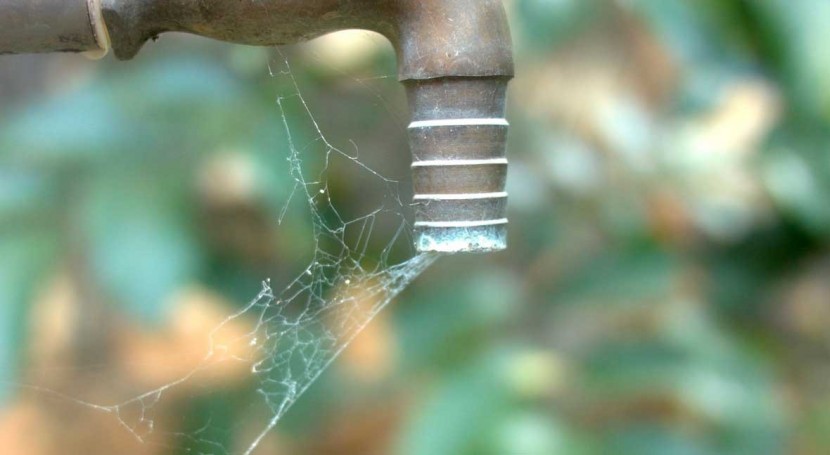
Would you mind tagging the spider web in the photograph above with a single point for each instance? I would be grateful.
(295, 332)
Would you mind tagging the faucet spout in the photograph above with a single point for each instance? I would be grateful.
(455, 59)
(457, 137)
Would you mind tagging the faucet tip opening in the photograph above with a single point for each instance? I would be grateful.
(461, 239)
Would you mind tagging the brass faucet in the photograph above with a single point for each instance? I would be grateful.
(454, 58)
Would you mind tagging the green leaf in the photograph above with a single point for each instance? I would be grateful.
(24, 261)
(458, 415)
(139, 240)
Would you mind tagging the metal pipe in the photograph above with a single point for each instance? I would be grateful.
(455, 59)
(28, 26)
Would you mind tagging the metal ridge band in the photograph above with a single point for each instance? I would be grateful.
(459, 197)
(460, 224)
(438, 163)
(459, 122)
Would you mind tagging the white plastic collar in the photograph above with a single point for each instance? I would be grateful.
(99, 27)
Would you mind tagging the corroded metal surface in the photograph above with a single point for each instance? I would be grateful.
(458, 136)
(455, 58)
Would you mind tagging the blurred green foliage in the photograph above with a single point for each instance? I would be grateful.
(665, 290)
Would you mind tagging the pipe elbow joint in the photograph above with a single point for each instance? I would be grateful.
(453, 38)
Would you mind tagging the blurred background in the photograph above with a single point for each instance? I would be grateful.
(665, 291)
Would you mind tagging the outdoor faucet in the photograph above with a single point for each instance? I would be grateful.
(454, 58)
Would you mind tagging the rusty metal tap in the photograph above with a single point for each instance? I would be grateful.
(454, 58)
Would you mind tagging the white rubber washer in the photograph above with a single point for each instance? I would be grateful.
(99, 27)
